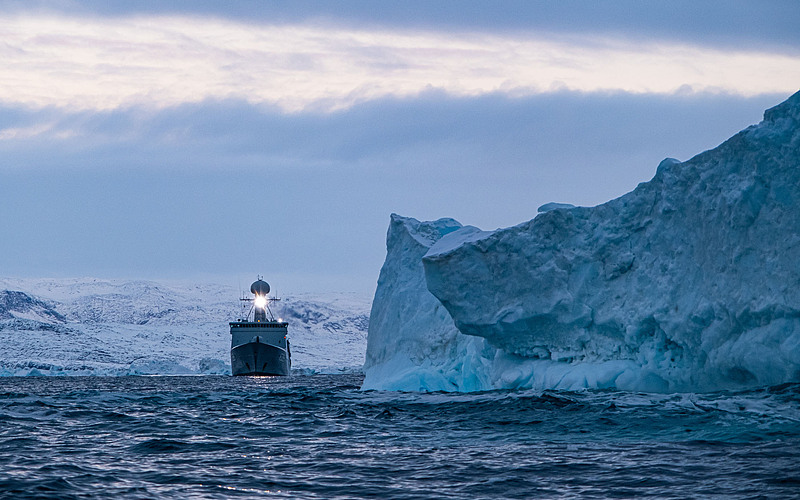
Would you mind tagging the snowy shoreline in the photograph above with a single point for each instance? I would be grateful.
(100, 327)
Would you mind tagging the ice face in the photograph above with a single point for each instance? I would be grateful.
(690, 282)
(412, 343)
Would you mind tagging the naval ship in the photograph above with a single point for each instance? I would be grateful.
(259, 346)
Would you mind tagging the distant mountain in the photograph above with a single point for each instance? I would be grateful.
(20, 305)
(107, 327)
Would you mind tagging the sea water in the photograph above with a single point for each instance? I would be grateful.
(320, 436)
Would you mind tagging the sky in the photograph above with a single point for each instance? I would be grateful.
(220, 140)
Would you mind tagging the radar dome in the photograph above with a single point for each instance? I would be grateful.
(259, 287)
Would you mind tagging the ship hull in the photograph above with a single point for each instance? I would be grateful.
(258, 358)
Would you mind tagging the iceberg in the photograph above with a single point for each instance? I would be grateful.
(690, 282)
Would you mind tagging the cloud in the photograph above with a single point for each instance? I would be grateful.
(380, 134)
(725, 24)
(162, 61)
(171, 139)
(224, 187)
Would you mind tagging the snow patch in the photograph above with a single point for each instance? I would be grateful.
(554, 206)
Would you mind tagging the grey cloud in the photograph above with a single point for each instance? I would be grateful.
(728, 24)
(215, 187)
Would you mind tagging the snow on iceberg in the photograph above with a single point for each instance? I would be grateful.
(554, 206)
(690, 282)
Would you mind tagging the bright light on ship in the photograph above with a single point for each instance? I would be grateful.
(260, 301)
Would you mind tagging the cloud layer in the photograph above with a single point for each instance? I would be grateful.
(724, 24)
(222, 187)
(101, 64)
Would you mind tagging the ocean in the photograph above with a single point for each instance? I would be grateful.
(320, 436)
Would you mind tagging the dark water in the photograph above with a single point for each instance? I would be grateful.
(320, 437)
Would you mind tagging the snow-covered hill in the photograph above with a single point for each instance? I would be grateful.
(109, 327)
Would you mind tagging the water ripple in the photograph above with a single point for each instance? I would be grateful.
(320, 437)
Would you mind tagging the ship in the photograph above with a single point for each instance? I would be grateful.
(258, 341)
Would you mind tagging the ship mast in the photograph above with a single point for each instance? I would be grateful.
(260, 303)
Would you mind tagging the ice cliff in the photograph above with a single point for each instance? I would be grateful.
(412, 343)
(691, 282)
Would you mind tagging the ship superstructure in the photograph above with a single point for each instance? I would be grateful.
(258, 341)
